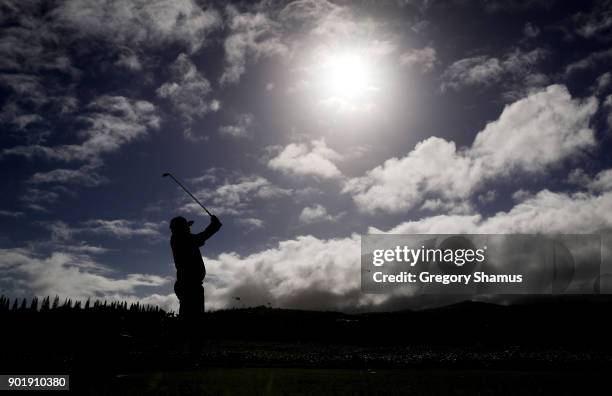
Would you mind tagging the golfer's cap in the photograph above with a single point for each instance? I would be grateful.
(180, 222)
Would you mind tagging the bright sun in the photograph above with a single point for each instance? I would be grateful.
(347, 75)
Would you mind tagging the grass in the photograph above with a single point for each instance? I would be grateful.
(322, 382)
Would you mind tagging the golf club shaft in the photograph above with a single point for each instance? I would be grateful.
(190, 194)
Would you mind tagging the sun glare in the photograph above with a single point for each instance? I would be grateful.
(346, 75)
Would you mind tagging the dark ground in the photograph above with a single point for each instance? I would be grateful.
(303, 381)
(554, 347)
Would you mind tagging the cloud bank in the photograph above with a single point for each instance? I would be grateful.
(530, 136)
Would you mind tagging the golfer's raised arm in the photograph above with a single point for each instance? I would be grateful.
(212, 228)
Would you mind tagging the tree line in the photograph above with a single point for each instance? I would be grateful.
(68, 305)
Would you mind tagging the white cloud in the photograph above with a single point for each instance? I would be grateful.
(424, 59)
(478, 70)
(35, 198)
(452, 207)
(521, 195)
(303, 159)
(486, 71)
(192, 136)
(435, 166)
(257, 186)
(316, 214)
(83, 248)
(167, 302)
(305, 272)
(210, 175)
(312, 273)
(121, 228)
(113, 121)
(188, 91)
(84, 176)
(61, 239)
(601, 182)
(330, 27)
(140, 23)
(530, 136)
(545, 212)
(236, 196)
(591, 61)
(61, 232)
(241, 128)
(252, 36)
(536, 132)
(250, 222)
(328, 22)
(550, 212)
(67, 274)
(306, 10)
(578, 177)
(487, 197)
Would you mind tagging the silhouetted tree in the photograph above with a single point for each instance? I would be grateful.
(67, 303)
(45, 304)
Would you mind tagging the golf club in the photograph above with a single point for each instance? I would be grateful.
(187, 191)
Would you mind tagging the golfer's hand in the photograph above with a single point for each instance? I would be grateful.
(215, 220)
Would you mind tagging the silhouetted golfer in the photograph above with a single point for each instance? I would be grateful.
(190, 270)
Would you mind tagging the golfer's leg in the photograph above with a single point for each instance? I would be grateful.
(194, 305)
(201, 306)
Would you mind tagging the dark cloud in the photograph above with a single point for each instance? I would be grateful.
(596, 22)
(496, 6)
(139, 23)
(112, 121)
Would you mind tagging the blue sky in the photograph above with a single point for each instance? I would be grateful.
(301, 124)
